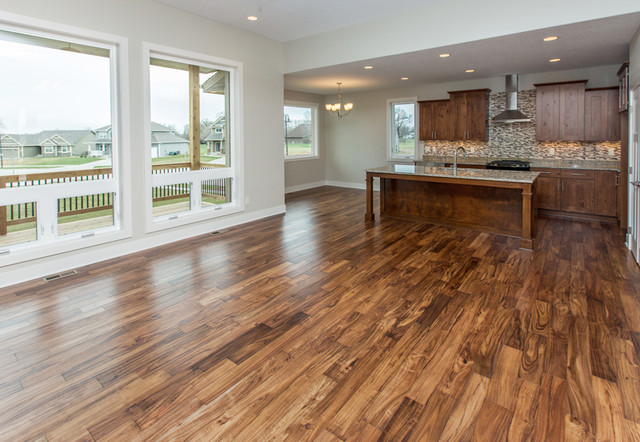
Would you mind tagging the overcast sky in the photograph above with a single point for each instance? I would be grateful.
(43, 88)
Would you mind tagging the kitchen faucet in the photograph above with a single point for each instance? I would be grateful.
(455, 158)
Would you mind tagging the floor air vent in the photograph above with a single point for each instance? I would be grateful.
(60, 275)
(217, 232)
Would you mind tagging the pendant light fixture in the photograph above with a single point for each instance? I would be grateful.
(338, 109)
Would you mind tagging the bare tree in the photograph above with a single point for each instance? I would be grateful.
(404, 123)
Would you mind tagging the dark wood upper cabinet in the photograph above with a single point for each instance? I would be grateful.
(469, 114)
(560, 111)
(601, 117)
(434, 120)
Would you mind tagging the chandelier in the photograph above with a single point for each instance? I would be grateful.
(338, 109)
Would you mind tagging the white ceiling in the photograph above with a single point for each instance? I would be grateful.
(580, 45)
(586, 44)
(286, 20)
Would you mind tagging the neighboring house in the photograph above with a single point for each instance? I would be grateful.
(216, 140)
(300, 134)
(165, 142)
(10, 148)
(48, 143)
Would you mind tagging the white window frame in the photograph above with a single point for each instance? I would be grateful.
(314, 131)
(46, 196)
(48, 149)
(391, 133)
(195, 177)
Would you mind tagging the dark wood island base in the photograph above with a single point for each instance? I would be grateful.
(502, 206)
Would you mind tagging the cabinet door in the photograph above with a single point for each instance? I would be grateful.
(458, 127)
(426, 121)
(596, 115)
(571, 111)
(606, 192)
(577, 195)
(441, 120)
(547, 113)
(601, 117)
(468, 115)
(548, 191)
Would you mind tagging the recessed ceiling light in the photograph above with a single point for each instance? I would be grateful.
(550, 38)
(553, 60)
(368, 67)
(404, 78)
(445, 55)
(470, 70)
(252, 18)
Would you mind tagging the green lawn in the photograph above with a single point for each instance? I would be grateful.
(297, 149)
(47, 161)
(406, 147)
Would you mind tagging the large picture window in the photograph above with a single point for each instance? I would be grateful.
(191, 139)
(60, 186)
(300, 130)
(401, 123)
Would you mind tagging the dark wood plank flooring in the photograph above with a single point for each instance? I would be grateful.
(318, 326)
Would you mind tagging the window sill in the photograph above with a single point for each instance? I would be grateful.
(301, 158)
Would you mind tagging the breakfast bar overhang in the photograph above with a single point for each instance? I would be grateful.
(495, 201)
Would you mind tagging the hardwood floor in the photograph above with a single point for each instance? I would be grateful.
(318, 326)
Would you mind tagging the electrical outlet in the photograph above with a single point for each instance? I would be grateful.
(472, 149)
(552, 151)
(611, 152)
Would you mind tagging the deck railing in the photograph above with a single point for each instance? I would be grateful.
(26, 212)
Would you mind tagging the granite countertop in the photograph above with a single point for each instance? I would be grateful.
(535, 162)
(463, 174)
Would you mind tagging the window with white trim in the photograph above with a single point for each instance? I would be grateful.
(194, 172)
(81, 78)
(401, 127)
(300, 130)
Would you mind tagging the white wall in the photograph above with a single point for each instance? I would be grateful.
(359, 141)
(634, 60)
(303, 174)
(148, 21)
(440, 24)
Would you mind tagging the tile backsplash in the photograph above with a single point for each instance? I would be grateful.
(518, 140)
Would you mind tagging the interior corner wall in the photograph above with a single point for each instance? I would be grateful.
(359, 141)
(634, 60)
(149, 21)
(304, 174)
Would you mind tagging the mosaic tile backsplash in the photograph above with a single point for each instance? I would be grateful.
(518, 140)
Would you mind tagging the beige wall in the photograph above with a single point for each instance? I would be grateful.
(358, 141)
(148, 21)
(302, 174)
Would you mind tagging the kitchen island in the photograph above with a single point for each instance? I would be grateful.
(496, 201)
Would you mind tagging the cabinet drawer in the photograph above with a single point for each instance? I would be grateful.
(578, 174)
(547, 173)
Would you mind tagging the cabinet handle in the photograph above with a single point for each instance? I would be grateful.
(435, 134)
(578, 174)
(563, 185)
(616, 180)
(543, 173)
(558, 184)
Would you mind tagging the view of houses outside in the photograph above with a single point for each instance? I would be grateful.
(297, 131)
(55, 127)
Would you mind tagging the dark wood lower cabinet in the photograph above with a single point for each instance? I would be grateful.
(548, 190)
(577, 195)
(578, 192)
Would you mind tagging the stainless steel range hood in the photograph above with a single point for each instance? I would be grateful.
(511, 114)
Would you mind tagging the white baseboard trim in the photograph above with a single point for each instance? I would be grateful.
(304, 186)
(40, 268)
(362, 186)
